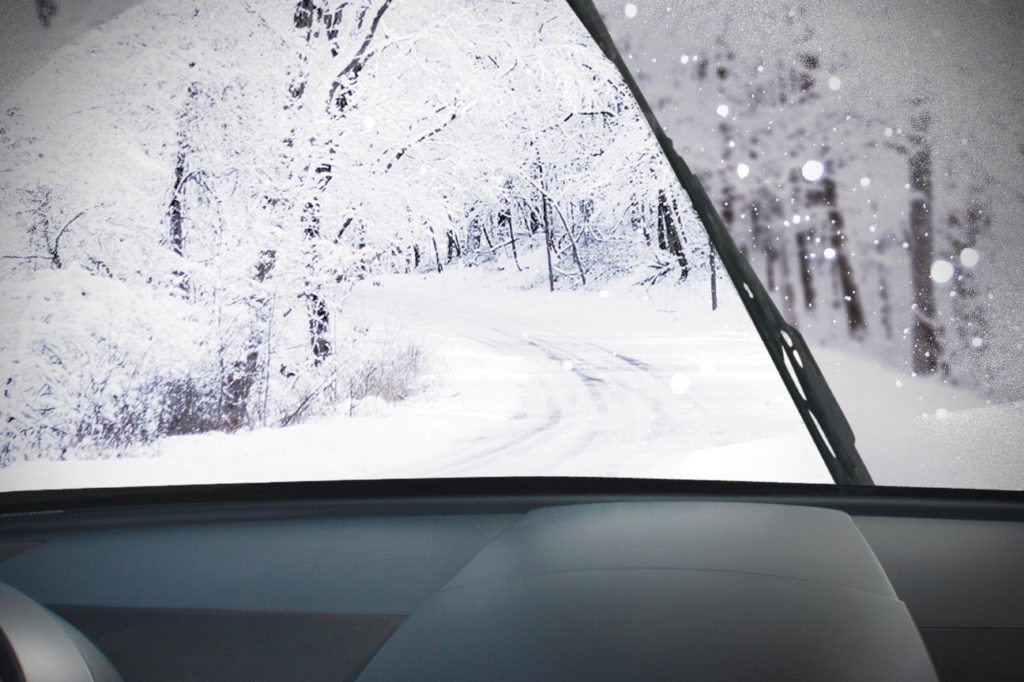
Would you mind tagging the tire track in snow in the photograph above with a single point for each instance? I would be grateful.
(608, 401)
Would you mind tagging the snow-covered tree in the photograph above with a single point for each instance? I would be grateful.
(181, 226)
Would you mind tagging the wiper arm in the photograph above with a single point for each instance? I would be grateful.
(810, 392)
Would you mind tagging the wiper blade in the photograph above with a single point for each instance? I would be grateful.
(810, 392)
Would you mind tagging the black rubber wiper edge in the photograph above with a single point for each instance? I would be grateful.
(814, 400)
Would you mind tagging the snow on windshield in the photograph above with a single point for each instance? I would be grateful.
(253, 241)
(867, 159)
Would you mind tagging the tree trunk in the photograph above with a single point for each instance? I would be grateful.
(46, 10)
(505, 221)
(454, 248)
(806, 267)
(547, 240)
(319, 327)
(855, 321)
(788, 291)
(308, 18)
(968, 311)
(673, 240)
(437, 253)
(572, 242)
(883, 294)
(234, 411)
(925, 332)
(714, 274)
(176, 208)
(176, 230)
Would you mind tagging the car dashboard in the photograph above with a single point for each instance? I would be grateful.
(541, 586)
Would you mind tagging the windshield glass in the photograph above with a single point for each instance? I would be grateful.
(264, 241)
(867, 159)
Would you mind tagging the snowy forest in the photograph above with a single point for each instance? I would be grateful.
(207, 210)
(871, 177)
(182, 224)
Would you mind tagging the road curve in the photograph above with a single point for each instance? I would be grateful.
(602, 397)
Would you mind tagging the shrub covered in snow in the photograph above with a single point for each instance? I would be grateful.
(94, 361)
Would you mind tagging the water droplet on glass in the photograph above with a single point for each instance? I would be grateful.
(942, 271)
(969, 257)
(813, 170)
(680, 383)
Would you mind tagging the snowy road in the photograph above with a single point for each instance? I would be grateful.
(602, 384)
(619, 382)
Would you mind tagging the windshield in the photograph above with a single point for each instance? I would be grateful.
(263, 241)
(867, 159)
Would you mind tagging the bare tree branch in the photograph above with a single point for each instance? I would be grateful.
(55, 251)
(565, 224)
(358, 61)
(5, 257)
(422, 138)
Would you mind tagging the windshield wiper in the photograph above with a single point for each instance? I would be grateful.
(806, 385)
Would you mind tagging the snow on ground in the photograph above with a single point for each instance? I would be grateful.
(918, 431)
(25, 43)
(619, 382)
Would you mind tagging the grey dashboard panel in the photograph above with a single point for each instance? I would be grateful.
(953, 573)
(957, 571)
(804, 543)
(196, 645)
(664, 590)
(328, 564)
